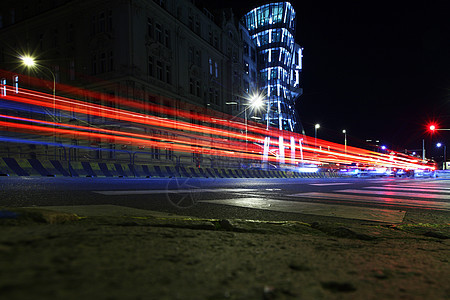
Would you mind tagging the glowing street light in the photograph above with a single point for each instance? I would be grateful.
(28, 61)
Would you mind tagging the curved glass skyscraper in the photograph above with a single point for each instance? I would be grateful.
(272, 28)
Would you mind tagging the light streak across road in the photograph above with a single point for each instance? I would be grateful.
(148, 125)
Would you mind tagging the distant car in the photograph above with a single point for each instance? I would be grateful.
(400, 173)
(355, 172)
(424, 173)
(403, 173)
(377, 171)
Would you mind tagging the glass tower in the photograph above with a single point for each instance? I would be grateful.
(272, 28)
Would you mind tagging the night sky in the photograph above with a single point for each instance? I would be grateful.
(379, 69)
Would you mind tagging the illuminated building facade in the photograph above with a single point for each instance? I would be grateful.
(173, 53)
(272, 28)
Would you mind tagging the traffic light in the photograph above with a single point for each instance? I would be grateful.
(433, 127)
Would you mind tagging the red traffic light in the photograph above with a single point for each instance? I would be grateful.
(432, 127)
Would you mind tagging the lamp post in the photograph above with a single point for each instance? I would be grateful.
(255, 103)
(29, 62)
(317, 126)
(345, 139)
(444, 164)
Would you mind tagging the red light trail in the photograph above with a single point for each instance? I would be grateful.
(217, 136)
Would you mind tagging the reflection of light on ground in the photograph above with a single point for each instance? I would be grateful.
(400, 194)
(348, 198)
(340, 211)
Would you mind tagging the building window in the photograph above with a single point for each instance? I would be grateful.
(159, 33)
(3, 86)
(217, 69)
(55, 38)
(103, 63)
(16, 83)
(41, 42)
(168, 75)
(150, 66)
(94, 25)
(210, 67)
(211, 95)
(197, 27)
(167, 38)
(191, 55)
(94, 64)
(109, 22)
(216, 97)
(111, 61)
(198, 88)
(70, 32)
(150, 27)
(191, 86)
(246, 49)
(155, 152)
(72, 70)
(159, 70)
(161, 3)
(246, 86)
(190, 20)
(198, 58)
(101, 22)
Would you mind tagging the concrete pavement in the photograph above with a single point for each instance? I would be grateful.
(111, 252)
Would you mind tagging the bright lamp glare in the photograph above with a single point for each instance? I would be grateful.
(28, 61)
(256, 101)
(438, 145)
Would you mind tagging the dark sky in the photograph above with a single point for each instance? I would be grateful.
(379, 69)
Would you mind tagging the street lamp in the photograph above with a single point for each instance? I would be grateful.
(444, 165)
(317, 126)
(345, 139)
(255, 102)
(29, 62)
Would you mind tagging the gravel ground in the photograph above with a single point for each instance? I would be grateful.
(50, 255)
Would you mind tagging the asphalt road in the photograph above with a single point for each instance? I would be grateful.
(388, 200)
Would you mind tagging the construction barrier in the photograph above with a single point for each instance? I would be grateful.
(53, 168)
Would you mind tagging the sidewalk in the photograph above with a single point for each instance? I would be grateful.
(109, 252)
